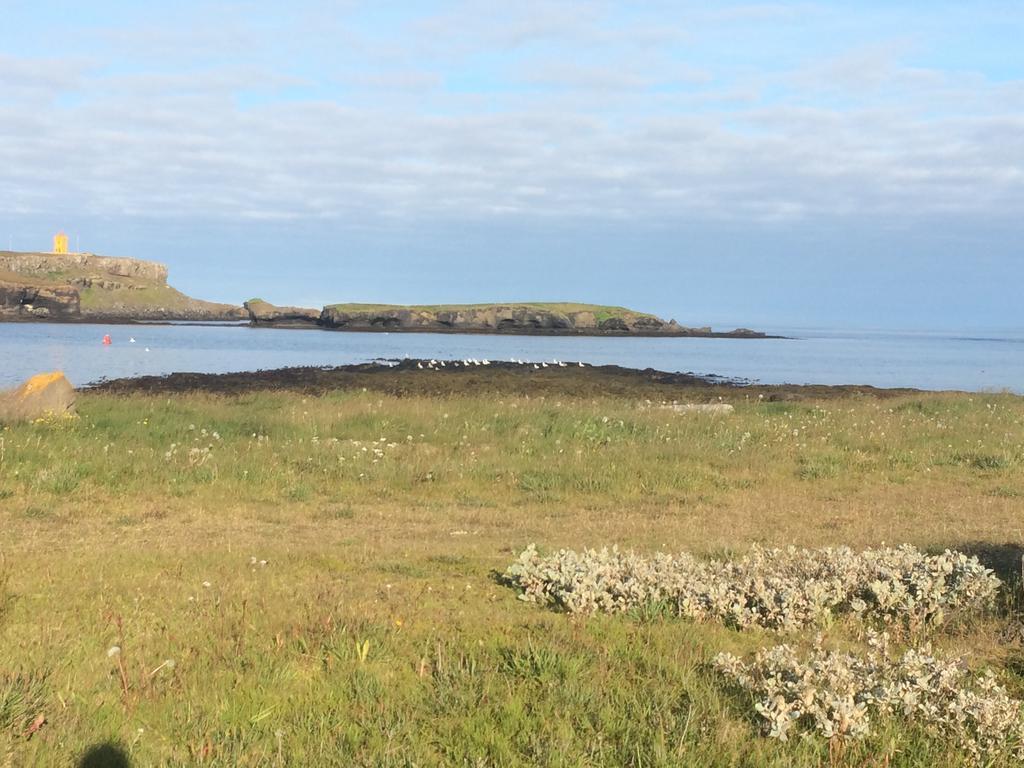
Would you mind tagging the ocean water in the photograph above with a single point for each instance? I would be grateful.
(993, 362)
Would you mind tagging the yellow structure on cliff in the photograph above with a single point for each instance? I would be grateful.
(60, 243)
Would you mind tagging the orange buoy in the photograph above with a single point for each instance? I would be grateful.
(106, 340)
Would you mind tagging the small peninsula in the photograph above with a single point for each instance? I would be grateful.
(84, 287)
(527, 318)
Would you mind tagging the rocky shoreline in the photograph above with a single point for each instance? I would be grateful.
(103, 319)
(432, 378)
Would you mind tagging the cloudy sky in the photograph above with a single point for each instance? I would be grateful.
(776, 164)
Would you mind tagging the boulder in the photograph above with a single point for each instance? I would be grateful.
(44, 396)
(646, 324)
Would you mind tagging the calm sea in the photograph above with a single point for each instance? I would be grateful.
(884, 359)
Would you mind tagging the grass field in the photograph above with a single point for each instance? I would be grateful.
(300, 580)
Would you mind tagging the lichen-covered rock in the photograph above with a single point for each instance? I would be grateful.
(44, 396)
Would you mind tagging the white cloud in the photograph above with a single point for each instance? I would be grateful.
(31, 79)
(587, 125)
(464, 28)
(613, 76)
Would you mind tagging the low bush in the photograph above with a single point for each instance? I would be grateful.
(771, 588)
(837, 695)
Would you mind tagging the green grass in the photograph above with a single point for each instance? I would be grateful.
(149, 296)
(352, 616)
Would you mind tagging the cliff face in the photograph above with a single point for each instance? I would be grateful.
(83, 286)
(46, 264)
(22, 299)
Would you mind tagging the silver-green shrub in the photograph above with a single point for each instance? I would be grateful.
(837, 695)
(774, 588)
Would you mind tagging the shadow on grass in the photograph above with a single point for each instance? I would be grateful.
(1007, 562)
(104, 756)
(1004, 559)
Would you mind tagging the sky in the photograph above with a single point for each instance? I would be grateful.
(846, 164)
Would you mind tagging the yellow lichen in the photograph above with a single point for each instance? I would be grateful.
(40, 381)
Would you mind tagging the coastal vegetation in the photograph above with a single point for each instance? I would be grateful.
(261, 577)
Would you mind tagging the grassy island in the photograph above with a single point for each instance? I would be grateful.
(567, 318)
(600, 311)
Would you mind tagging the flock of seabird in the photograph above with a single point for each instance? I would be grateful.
(436, 365)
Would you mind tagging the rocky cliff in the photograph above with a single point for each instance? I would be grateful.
(84, 286)
(38, 299)
(530, 318)
(47, 264)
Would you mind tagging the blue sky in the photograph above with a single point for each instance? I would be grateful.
(855, 164)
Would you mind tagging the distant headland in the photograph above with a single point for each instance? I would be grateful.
(84, 287)
(59, 286)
